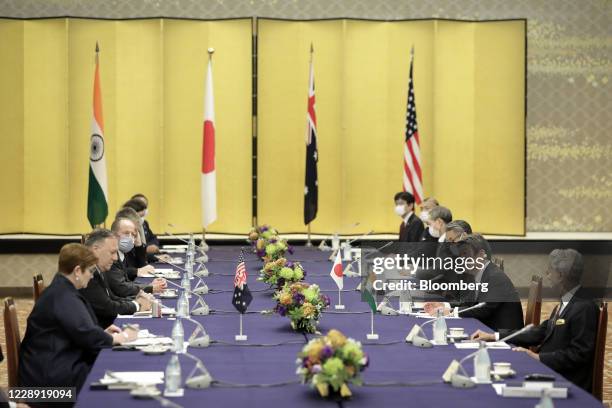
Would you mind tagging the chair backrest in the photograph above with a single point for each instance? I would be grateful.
(13, 341)
(534, 301)
(600, 348)
(38, 285)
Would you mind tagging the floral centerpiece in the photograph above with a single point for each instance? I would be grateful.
(302, 303)
(263, 232)
(331, 362)
(277, 273)
(274, 249)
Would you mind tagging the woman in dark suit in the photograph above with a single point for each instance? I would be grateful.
(62, 338)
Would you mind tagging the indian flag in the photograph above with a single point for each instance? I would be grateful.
(367, 291)
(97, 195)
(209, 174)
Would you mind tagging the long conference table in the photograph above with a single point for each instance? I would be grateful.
(399, 374)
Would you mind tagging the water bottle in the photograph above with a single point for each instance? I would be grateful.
(482, 364)
(189, 267)
(178, 336)
(186, 285)
(172, 376)
(439, 328)
(545, 401)
(191, 248)
(335, 241)
(182, 306)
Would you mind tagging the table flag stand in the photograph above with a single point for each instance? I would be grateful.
(372, 335)
(339, 306)
(241, 336)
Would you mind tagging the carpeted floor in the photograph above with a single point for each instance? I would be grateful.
(24, 306)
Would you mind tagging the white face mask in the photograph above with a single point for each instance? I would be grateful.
(433, 232)
(424, 215)
(400, 209)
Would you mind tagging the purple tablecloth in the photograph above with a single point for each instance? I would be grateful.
(391, 359)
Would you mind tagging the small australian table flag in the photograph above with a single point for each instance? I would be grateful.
(242, 295)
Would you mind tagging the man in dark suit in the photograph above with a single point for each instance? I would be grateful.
(502, 308)
(105, 304)
(411, 227)
(130, 264)
(566, 341)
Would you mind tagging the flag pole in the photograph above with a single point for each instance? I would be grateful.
(372, 335)
(308, 242)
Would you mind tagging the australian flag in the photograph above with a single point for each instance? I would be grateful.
(311, 187)
(242, 295)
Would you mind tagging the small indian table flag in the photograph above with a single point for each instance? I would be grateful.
(337, 275)
(367, 295)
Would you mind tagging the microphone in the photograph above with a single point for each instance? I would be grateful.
(199, 248)
(457, 312)
(417, 336)
(194, 340)
(464, 381)
(202, 309)
(358, 238)
(203, 380)
(201, 287)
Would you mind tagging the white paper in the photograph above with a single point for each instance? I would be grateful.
(147, 316)
(473, 345)
(139, 377)
(422, 315)
(149, 341)
(168, 310)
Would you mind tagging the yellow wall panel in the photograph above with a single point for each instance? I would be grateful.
(453, 158)
(185, 59)
(138, 113)
(45, 126)
(11, 126)
(284, 53)
(82, 37)
(499, 133)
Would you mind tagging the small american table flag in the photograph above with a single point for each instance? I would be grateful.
(242, 295)
(412, 178)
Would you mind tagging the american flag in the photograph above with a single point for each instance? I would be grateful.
(311, 184)
(241, 298)
(241, 275)
(412, 180)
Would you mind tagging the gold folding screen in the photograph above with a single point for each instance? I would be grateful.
(469, 87)
(152, 75)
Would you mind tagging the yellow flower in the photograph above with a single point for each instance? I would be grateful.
(336, 338)
(308, 309)
(285, 299)
(314, 351)
(260, 244)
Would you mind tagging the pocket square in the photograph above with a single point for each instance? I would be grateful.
(559, 322)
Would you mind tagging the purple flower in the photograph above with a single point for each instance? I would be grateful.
(298, 298)
(325, 299)
(327, 352)
(290, 249)
(305, 361)
(289, 264)
(263, 228)
(281, 310)
(316, 368)
(272, 241)
(261, 253)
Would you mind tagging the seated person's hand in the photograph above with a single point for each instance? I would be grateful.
(112, 329)
(432, 307)
(159, 284)
(146, 270)
(144, 302)
(152, 249)
(482, 335)
(164, 257)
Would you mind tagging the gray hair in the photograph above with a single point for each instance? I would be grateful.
(441, 212)
(98, 236)
(569, 263)
(455, 226)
